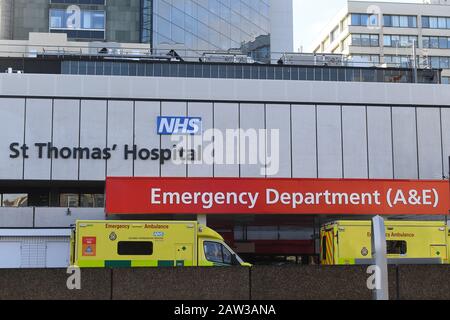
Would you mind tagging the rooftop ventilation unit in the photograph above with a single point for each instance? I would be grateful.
(310, 59)
(226, 57)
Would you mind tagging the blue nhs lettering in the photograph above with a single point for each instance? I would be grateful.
(179, 125)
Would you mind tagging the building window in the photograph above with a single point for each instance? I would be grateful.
(84, 200)
(364, 60)
(364, 19)
(445, 80)
(429, 22)
(440, 62)
(69, 200)
(334, 34)
(397, 61)
(90, 200)
(365, 40)
(86, 24)
(400, 21)
(398, 41)
(14, 199)
(436, 42)
(94, 2)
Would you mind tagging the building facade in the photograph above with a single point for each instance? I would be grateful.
(194, 25)
(62, 135)
(383, 33)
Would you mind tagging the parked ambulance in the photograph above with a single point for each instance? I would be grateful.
(407, 242)
(149, 244)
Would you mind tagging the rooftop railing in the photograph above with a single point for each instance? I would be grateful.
(139, 52)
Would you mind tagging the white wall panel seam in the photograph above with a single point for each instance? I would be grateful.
(106, 135)
(442, 144)
(342, 142)
(51, 137)
(367, 142)
(24, 134)
(417, 142)
(79, 134)
(392, 143)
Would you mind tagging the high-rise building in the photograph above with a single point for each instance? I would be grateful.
(182, 24)
(381, 33)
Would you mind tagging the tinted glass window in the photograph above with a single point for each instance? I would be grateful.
(14, 200)
(135, 248)
(396, 247)
(216, 252)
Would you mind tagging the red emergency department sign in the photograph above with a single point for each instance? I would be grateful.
(275, 196)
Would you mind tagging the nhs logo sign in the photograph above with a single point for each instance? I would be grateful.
(179, 125)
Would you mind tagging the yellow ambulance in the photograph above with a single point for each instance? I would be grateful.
(126, 244)
(407, 242)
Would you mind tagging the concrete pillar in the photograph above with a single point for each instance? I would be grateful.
(6, 19)
(281, 28)
(201, 218)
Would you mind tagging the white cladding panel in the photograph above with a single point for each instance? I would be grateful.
(10, 251)
(226, 116)
(205, 111)
(38, 129)
(304, 141)
(445, 118)
(120, 133)
(58, 254)
(278, 117)
(405, 143)
(145, 115)
(354, 141)
(325, 141)
(170, 168)
(329, 141)
(379, 131)
(12, 120)
(252, 119)
(93, 135)
(66, 132)
(429, 143)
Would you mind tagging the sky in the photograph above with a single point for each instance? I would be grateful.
(312, 16)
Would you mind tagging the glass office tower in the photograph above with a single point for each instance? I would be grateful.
(207, 25)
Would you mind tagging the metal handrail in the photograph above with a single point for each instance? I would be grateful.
(141, 52)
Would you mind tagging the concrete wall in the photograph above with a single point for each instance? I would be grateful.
(355, 130)
(46, 217)
(16, 218)
(30, 16)
(281, 27)
(123, 20)
(64, 217)
(6, 18)
(257, 283)
(358, 141)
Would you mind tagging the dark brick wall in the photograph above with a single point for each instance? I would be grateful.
(182, 283)
(50, 284)
(313, 283)
(424, 282)
(258, 283)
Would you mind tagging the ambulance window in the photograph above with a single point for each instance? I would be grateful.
(226, 255)
(396, 247)
(213, 251)
(135, 248)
